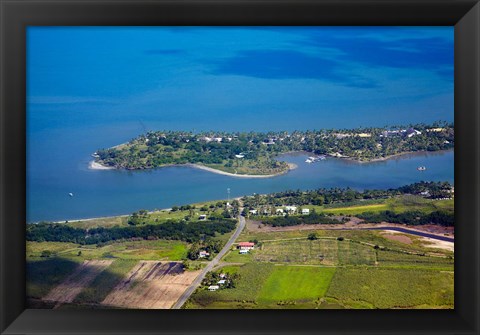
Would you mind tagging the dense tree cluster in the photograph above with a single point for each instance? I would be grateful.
(290, 220)
(256, 152)
(170, 230)
(322, 196)
(410, 217)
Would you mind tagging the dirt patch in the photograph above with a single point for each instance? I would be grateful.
(84, 274)
(151, 285)
(394, 236)
(432, 243)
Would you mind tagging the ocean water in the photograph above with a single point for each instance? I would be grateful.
(58, 159)
(95, 87)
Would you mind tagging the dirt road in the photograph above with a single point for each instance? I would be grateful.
(212, 264)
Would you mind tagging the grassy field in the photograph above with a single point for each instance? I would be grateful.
(136, 250)
(327, 252)
(398, 204)
(371, 287)
(156, 216)
(293, 283)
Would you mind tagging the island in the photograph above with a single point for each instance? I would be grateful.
(255, 154)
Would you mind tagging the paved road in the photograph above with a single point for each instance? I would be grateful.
(211, 264)
(414, 232)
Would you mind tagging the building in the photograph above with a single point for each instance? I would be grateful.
(213, 287)
(221, 282)
(243, 251)
(222, 275)
(305, 211)
(203, 254)
(279, 211)
(291, 209)
(202, 217)
(253, 211)
(246, 245)
(412, 132)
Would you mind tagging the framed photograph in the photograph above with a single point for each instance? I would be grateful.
(239, 167)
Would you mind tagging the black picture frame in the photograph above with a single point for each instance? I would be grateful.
(16, 15)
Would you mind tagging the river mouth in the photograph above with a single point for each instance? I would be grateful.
(100, 193)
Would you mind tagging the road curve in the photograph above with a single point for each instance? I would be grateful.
(189, 291)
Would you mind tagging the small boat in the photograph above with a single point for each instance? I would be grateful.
(421, 168)
(308, 161)
(70, 194)
(322, 157)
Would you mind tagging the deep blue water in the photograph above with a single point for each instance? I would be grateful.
(58, 164)
(95, 87)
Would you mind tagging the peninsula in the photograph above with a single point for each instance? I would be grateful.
(255, 153)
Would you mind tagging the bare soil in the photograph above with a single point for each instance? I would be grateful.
(394, 236)
(151, 285)
(66, 291)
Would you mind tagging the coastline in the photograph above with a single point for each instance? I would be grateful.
(291, 166)
(382, 159)
(97, 166)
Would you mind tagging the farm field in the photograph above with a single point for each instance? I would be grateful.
(150, 284)
(392, 288)
(287, 270)
(83, 275)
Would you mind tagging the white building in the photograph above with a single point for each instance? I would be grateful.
(203, 254)
(243, 251)
(213, 287)
(305, 211)
(221, 282)
(291, 209)
(279, 211)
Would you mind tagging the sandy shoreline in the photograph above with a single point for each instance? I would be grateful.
(291, 166)
(97, 166)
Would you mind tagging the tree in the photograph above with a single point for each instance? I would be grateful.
(46, 253)
(312, 236)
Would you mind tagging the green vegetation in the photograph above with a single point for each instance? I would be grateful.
(254, 153)
(410, 217)
(293, 283)
(169, 230)
(290, 220)
(392, 288)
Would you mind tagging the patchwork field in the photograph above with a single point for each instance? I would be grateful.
(288, 271)
(151, 284)
(83, 275)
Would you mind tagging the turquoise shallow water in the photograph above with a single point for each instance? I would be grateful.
(58, 164)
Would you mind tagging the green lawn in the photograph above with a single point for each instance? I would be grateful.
(287, 283)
